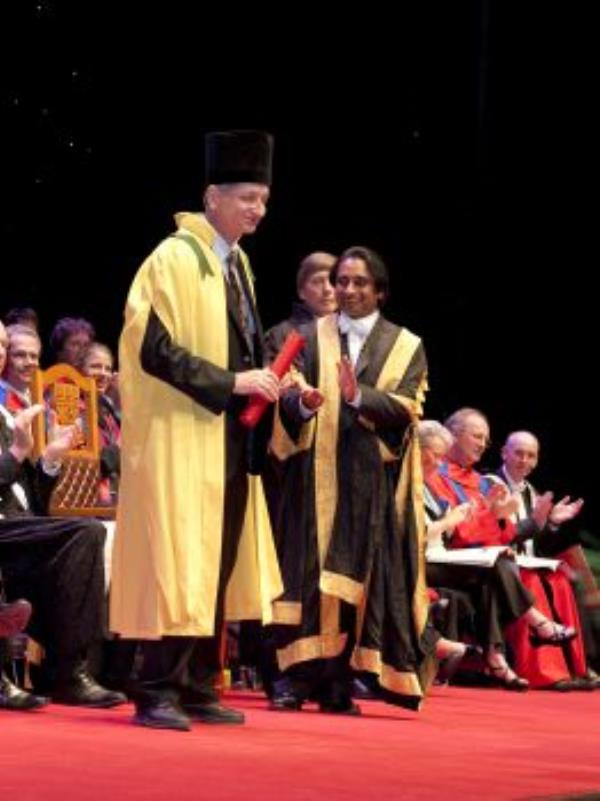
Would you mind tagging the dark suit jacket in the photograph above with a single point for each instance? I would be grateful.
(301, 319)
(32, 479)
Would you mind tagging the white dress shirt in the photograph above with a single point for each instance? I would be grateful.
(357, 329)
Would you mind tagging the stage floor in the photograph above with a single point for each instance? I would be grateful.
(464, 744)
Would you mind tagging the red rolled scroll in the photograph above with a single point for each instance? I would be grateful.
(256, 406)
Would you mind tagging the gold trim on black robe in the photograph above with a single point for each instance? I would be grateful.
(353, 497)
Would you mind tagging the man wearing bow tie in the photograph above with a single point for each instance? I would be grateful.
(350, 536)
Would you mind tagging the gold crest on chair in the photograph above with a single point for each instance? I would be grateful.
(73, 397)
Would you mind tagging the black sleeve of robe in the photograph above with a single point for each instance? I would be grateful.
(289, 404)
(380, 409)
(39, 486)
(199, 379)
(289, 413)
(35, 483)
(386, 413)
(274, 339)
(10, 468)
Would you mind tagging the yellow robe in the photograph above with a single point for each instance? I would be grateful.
(170, 516)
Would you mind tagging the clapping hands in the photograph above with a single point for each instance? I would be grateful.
(565, 510)
(501, 502)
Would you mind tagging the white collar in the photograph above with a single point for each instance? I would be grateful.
(515, 486)
(359, 326)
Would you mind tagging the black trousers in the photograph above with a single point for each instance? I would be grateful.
(184, 669)
(497, 594)
(58, 565)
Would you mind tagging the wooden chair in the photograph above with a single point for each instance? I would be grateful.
(73, 397)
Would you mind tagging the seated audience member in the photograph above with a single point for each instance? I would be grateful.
(69, 337)
(97, 362)
(24, 315)
(456, 482)
(540, 523)
(55, 563)
(22, 360)
(546, 528)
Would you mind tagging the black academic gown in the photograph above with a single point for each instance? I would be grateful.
(372, 561)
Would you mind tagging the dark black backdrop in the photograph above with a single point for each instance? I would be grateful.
(455, 138)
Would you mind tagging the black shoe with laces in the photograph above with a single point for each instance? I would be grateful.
(161, 713)
(83, 690)
(15, 699)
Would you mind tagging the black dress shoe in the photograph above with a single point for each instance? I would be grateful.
(583, 683)
(16, 699)
(340, 708)
(83, 690)
(560, 686)
(14, 617)
(213, 712)
(162, 714)
(285, 702)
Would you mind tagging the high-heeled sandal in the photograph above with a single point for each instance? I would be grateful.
(560, 634)
(499, 674)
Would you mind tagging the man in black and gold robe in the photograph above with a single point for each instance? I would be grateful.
(350, 530)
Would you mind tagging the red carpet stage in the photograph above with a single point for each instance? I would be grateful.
(465, 744)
